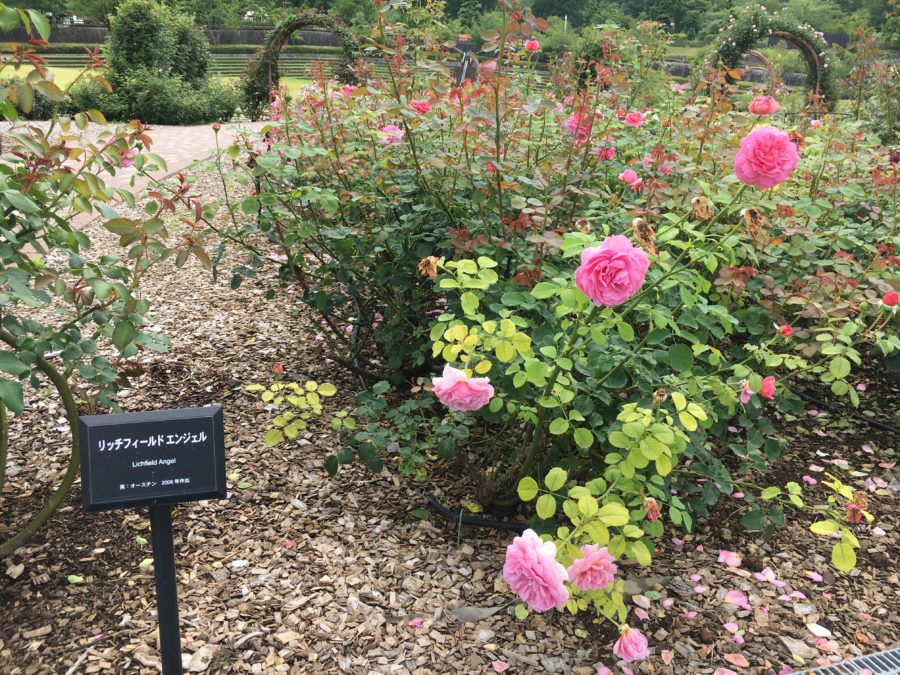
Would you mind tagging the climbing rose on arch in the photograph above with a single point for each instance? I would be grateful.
(459, 392)
(766, 158)
(611, 273)
(532, 572)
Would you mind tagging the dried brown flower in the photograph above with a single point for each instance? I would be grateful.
(701, 208)
(428, 267)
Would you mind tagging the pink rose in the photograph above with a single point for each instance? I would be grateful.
(126, 159)
(766, 158)
(679, 87)
(631, 645)
(763, 105)
(391, 133)
(815, 123)
(629, 177)
(890, 299)
(420, 106)
(348, 89)
(634, 119)
(606, 154)
(785, 330)
(595, 568)
(533, 574)
(532, 45)
(767, 388)
(579, 126)
(459, 392)
(611, 273)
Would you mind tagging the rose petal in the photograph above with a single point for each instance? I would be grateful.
(737, 659)
(499, 666)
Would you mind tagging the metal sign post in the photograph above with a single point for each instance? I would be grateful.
(155, 459)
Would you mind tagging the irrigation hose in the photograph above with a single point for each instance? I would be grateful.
(462, 518)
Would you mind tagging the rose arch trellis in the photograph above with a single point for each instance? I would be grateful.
(261, 76)
(743, 35)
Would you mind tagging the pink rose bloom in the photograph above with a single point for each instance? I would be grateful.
(532, 45)
(420, 106)
(763, 105)
(766, 158)
(611, 273)
(126, 159)
(606, 154)
(391, 133)
(348, 89)
(533, 574)
(631, 178)
(579, 126)
(631, 645)
(815, 123)
(767, 388)
(679, 87)
(595, 568)
(459, 392)
(634, 119)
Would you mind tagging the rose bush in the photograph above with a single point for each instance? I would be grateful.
(606, 295)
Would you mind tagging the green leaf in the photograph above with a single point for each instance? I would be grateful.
(843, 557)
(555, 478)
(626, 332)
(681, 358)
(613, 514)
(583, 438)
(124, 334)
(824, 527)
(546, 506)
(528, 489)
(469, 302)
(331, 465)
(521, 612)
(273, 437)
(420, 514)
(544, 290)
(120, 226)
(679, 400)
(559, 426)
(770, 493)
(11, 395)
(755, 520)
(40, 23)
(839, 367)
(75, 579)
(9, 363)
(640, 552)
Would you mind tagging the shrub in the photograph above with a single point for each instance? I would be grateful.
(70, 320)
(141, 36)
(156, 99)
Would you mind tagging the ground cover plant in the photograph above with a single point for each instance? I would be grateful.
(591, 296)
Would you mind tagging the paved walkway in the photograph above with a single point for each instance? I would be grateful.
(179, 147)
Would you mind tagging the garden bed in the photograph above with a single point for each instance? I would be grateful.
(299, 572)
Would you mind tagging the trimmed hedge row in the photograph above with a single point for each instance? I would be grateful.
(78, 48)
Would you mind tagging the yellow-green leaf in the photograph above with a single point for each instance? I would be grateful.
(528, 489)
(843, 557)
(613, 514)
(555, 478)
(546, 506)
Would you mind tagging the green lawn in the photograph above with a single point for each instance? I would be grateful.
(65, 76)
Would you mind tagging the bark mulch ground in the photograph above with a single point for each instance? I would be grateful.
(299, 572)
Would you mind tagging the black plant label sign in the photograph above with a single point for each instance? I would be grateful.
(148, 458)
